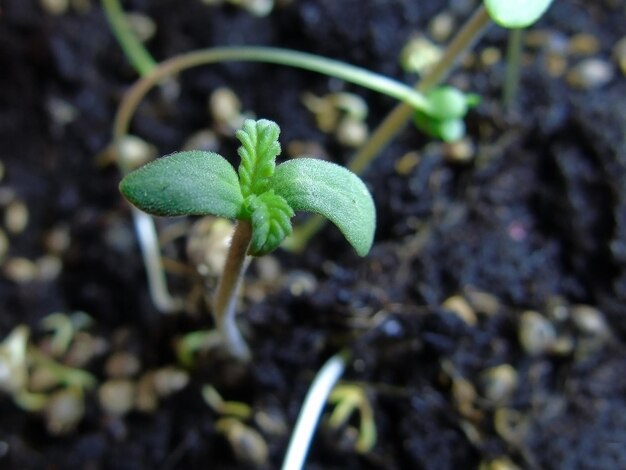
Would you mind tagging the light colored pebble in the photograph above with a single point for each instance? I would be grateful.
(48, 268)
(117, 396)
(482, 302)
(146, 399)
(204, 139)
(498, 383)
(142, 25)
(301, 283)
(2, 170)
(351, 132)
(224, 105)
(54, 7)
(169, 380)
(20, 270)
(58, 239)
(461, 308)
(583, 44)
(16, 217)
(247, 443)
(590, 74)
(461, 151)
(419, 54)
(133, 151)
(64, 411)
(122, 365)
(258, 8)
(490, 56)
(536, 334)
(441, 27)
(589, 320)
(619, 54)
(208, 243)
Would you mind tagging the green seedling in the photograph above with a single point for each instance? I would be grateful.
(348, 399)
(261, 195)
(447, 106)
(516, 13)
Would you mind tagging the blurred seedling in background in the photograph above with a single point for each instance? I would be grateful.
(37, 376)
(261, 196)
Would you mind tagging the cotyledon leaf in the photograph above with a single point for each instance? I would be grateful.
(516, 13)
(185, 183)
(312, 185)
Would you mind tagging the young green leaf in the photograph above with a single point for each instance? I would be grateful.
(258, 151)
(185, 183)
(271, 221)
(333, 191)
(516, 13)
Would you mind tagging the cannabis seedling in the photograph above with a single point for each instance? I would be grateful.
(261, 195)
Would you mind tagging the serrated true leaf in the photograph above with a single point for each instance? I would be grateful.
(258, 151)
(271, 221)
(516, 13)
(185, 183)
(333, 191)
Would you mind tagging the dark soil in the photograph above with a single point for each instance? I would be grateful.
(536, 221)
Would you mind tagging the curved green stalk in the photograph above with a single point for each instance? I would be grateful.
(395, 121)
(136, 53)
(271, 55)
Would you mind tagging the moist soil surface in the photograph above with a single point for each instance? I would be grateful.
(486, 326)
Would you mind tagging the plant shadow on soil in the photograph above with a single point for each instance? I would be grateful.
(535, 222)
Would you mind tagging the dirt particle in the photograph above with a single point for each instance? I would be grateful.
(20, 270)
(121, 365)
(498, 383)
(583, 44)
(117, 396)
(16, 217)
(441, 26)
(590, 74)
(589, 320)
(64, 411)
(536, 334)
(461, 308)
(54, 7)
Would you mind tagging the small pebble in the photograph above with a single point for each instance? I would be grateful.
(64, 411)
(58, 239)
(225, 106)
(536, 334)
(464, 395)
(208, 243)
(169, 380)
(117, 396)
(461, 151)
(590, 74)
(419, 54)
(556, 64)
(407, 162)
(248, 444)
(351, 132)
(589, 320)
(48, 268)
(142, 25)
(134, 151)
(583, 44)
(54, 7)
(20, 270)
(441, 27)
(482, 302)
(301, 283)
(259, 8)
(272, 422)
(204, 139)
(16, 217)
(498, 383)
(122, 365)
(461, 308)
(146, 399)
(619, 54)
(490, 56)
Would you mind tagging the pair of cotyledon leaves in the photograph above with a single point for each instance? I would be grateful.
(204, 183)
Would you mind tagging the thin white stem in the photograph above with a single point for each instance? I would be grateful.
(314, 402)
